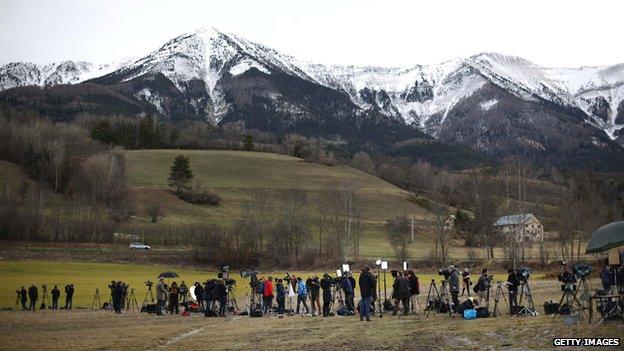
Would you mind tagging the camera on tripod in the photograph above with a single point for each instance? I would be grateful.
(445, 272)
(149, 283)
(582, 270)
(523, 274)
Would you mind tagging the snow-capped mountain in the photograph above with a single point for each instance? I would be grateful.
(19, 74)
(493, 103)
(424, 95)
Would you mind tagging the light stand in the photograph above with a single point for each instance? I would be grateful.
(379, 303)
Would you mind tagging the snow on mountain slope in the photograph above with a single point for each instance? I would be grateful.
(421, 92)
(18, 74)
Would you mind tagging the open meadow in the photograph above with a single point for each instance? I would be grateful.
(103, 330)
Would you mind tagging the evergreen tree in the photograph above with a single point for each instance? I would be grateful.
(180, 175)
(102, 131)
(248, 143)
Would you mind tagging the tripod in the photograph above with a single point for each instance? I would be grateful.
(132, 301)
(148, 293)
(438, 295)
(497, 295)
(529, 308)
(96, 297)
(341, 303)
(569, 295)
(44, 298)
(585, 303)
(231, 300)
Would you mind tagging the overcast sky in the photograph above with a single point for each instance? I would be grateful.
(359, 32)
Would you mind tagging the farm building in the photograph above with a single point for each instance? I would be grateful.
(525, 227)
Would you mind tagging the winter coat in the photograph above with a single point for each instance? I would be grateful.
(367, 285)
(281, 291)
(302, 290)
(161, 292)
(513, 281)
(33, 293)
(414, 285)
(199, 293)
(315, 287)
(268, 289)
(23, 295)
(346, 285)
(483, 284)
(454, 281)
(55, 293)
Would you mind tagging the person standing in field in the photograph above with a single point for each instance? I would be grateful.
(69, 296)
(118, 297)
(23, 297)
(56, 293)
(454, 286)
(326, 284)
(174, 293)
(482, 287)
(347, 287)
(161, 292)
(315, 295)
(302, 295)
(267, 295)
(281, 297)
(466, 281)
(223, 292)
(367, 291)
(33, 295)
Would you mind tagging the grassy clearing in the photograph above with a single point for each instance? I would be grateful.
(102, 330)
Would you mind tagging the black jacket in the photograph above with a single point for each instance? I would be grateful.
(55, 293)
(23, 294)
(513, 282)
(414, 286)
(367, 285)
(33, 293)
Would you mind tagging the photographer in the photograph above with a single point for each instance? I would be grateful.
(401, 292)
(367, 291)
(302, 295)
(161, 292)
(326, 284)
(466, 281)
(315, 298)
(23, 295)
(117, 296)
(454, 286)
(347, 288)
(483, 286)
(607, 278)
(33, 295)
(281, 296)
(222, 289)
(512, 287)
(69, 296)
(56, 293)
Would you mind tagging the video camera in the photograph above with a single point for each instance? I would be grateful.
(149, 283)
(445, 272)
(253, 275)
(582, 270)
(523, 274)
(566, 278)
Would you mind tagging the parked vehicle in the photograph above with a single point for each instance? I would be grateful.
(139, 246)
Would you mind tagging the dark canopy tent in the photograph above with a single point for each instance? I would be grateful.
(606, 237)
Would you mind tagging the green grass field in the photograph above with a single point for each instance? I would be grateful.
(87, 277)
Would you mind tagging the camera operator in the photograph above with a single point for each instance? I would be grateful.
(33, 295)
(118, 297)
(69, 296)
(315, 295)
(161, 296)
(302, 295)
(222, 289)
(281, 296)
(56, 293)
(512, 287)
(454, 286)
(23, 294)
(267, 295)
(347, 287)
(400, 292)
(326, 284)
(483, 286)
(466, 281)
(367, 291)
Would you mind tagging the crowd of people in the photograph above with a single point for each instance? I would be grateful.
(29, 298)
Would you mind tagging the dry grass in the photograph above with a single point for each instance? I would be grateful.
(102, 330)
